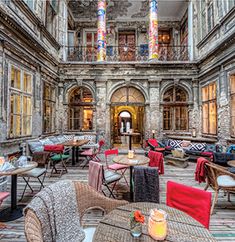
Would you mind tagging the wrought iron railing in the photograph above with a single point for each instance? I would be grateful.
(127, 53)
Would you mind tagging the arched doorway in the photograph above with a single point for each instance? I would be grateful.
(127, 112)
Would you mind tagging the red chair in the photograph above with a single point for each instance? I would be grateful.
(91, 155)
(153, 144)
(193, 201)
(115, 167)
(3, 195)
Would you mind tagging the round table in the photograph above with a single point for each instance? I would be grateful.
(231, 163)
(130, 137)
(138, 160)
(115, 226)
(14, 212)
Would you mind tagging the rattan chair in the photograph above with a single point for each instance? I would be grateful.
(87, 198)
(213, 171)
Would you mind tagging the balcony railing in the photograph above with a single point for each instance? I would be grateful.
(127, 53)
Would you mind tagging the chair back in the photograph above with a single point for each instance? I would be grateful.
(110, 153)
(95, 175)
(193, 201)
(42, 158)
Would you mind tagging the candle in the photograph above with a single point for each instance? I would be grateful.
(153, 131)
(157, 225)
(130, 154)
(2, 160)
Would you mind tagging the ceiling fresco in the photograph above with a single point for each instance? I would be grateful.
(128, 9)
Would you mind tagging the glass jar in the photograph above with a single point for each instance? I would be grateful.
(157, 224)
(136, 229)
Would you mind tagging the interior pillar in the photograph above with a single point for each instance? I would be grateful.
(101, 30)
(153, 30)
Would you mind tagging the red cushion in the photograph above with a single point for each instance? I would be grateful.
(153, 142)
(193, 201)
(3, 195)
(54, 148)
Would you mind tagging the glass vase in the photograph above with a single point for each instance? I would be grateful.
(136, 229)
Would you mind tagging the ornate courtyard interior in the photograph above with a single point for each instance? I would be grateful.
(122, 72)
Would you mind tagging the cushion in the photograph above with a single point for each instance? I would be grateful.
(54, 140)
(89, 233)
(61, 139)
(35, 146)
(35, 172)
(111, 176)
(223, 158)
(225, 181)
(54, 148)
(80, 137)
(197, 146)
(174, 143)
(46, 142)
(185, 143)
(58, 157)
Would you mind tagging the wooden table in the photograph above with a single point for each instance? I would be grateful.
(115, 226)
(138, 160)
(130, 137)
(180, 162)
(15, 211)
(75, 145)
(231, 163)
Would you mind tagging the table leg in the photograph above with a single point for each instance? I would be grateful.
(14, 212)
(77, 155)
(130, 142)
(73, 156)
(131, 184)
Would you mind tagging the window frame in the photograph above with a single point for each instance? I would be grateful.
(22, 94)
(173, 105)
(207, 102)
(52, 101)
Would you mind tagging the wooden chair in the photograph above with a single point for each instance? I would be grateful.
(216, 178)
(87, 198)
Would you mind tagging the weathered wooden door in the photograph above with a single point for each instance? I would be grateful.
(126, 43)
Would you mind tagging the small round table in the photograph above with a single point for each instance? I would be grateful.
(14, 212)
(181, 227)
(138, 160)
(130, 137)
(231, 163)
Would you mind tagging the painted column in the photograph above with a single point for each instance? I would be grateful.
(153, 30)
(101, 30)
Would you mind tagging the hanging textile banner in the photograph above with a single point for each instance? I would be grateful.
(153, 30)
(101, 30)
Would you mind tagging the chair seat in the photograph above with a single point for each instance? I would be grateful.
(111, 176)
(117, 167)
(225, 181)
(3, 195)
(36, 172)
(88, 152)
(59, 157)
(89, 233)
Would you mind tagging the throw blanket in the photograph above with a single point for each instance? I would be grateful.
(56, 208)
(95, 176)
(200, 170)
(156, 160)
(146, 184)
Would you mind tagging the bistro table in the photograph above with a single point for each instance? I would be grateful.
(231, 163)
(130, 137)
(75, 144)
(138, 160)
(15, 211)
(115, 226)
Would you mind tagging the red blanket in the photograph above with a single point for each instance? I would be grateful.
(193, 201)
(200, 173)
(156, 160)
(54, 148)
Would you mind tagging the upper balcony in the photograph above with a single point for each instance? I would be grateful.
(88, 54)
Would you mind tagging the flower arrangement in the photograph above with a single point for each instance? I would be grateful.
(136, 221)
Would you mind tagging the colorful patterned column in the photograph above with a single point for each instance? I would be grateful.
(101, 30)
(153, 30)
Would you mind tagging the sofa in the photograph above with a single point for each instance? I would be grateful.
(37, 145)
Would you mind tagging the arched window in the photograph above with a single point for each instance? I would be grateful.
(175, 109)
(81, 109)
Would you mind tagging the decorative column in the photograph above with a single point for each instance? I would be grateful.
(153, 30)
(101, 30)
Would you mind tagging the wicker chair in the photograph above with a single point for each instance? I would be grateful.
(87, 198)
(213, 171)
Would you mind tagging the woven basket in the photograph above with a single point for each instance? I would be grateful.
(178, 153)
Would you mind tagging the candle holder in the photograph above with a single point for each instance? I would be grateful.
(157, 225)
(136, 221)
(153, 133)
(130, 154)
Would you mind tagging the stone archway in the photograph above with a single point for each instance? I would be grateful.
(127, 99)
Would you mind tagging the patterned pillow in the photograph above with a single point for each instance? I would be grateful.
(174, 143)
(35, 146)
(198, 146)
(46, 142)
